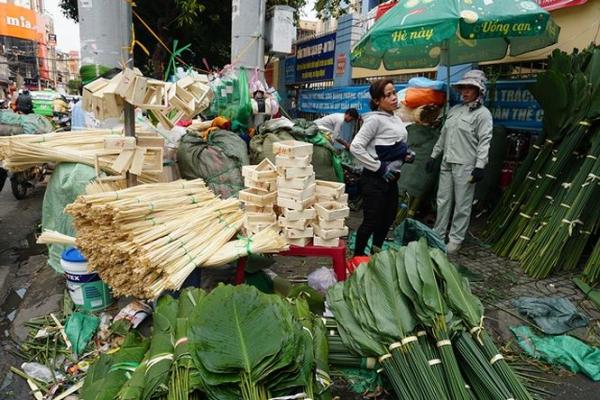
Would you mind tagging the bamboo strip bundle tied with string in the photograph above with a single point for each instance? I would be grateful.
(149, 238)
(89, 147)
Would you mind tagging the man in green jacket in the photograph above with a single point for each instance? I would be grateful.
(464, 143)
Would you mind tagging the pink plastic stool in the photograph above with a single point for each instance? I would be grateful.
(337, 255)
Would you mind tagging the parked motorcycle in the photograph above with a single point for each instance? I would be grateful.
(61, 122)
(22, 182)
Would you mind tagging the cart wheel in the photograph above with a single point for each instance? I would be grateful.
(3, 175)
(19, 189)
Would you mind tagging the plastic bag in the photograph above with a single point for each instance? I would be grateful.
(232, 98)
(322, 279)
(416, 97)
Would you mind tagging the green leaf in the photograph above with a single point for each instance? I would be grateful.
(462, 301)
(432, 297)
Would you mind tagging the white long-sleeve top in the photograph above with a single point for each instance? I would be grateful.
(379, 132)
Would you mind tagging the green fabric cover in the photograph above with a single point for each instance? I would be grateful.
(553, 315)
(564, 350)
(217, 160)
(486, 191)
(326, 163)
(80, 328)
(32, 124)
(413, 177)
(67, 182)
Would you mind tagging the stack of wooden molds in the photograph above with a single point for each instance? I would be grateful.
(168, 102)
(259, 196)
(296, 190)
(332, 209)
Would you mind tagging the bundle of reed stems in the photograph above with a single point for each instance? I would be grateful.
(53, 237)
(149, 238)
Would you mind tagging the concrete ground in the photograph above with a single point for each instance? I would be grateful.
(28, 288)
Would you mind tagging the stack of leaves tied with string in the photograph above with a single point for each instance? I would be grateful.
(413, 310)
(547, 217)
(146, 239)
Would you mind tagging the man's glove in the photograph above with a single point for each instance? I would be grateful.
(391, 171)
(430, 165)
(476, 175)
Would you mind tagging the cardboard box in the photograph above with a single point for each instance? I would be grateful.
(293, 162)
(292, 148)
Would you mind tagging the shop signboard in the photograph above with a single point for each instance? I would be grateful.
(315, 59)
(18, 22)
(290, 70)
(556, 4)
(511, 103)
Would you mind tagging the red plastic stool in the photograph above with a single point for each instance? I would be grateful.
(337, 255)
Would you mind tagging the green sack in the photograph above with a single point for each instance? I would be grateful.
(218, 160)
(413, 178)
(66, 183)
(31, 124)
(486, 191)
(261, 145)
(563, 350)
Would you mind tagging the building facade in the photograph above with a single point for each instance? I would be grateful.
(27, 42)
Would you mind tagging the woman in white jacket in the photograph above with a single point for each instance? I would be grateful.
(380, 146)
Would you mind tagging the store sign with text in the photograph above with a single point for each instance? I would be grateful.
(510, 102)
(315, 59)
(556, 4)
(18, 22)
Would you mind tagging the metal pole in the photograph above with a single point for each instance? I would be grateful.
(105, 33)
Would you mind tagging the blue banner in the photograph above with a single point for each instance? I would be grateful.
(315, 59)
(290, 70)
(510, 102)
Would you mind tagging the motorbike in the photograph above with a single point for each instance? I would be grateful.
(61, 121)
(22, 182)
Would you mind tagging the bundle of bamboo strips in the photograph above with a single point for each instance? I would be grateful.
(21, 152)
(53, 237)
(149, 238)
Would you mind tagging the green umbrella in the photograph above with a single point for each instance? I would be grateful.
(425, 33)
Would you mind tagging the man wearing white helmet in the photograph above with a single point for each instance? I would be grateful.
(464, 143)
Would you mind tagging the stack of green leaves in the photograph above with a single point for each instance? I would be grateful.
(110, 372)
(249, 345)
(546, 217)
(151, 378)
(182, 381)
(416, 287)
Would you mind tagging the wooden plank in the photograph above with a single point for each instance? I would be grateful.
(137, 164)
(123, 162)
(119, 142)
(150, 141)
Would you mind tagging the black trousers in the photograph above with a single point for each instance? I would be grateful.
(380, 205)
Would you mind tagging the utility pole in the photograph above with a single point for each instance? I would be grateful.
(247, 34)
(105, 34)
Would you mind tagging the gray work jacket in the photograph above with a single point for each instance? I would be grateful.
(465, 137)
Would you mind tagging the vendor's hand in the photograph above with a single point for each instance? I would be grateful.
(410, 156)
(392, 171)
(477, 175)
(430, 165)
